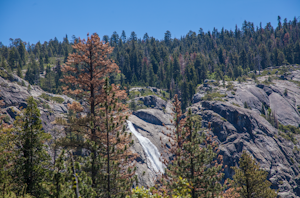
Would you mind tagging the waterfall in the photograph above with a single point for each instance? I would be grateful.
(150, 150)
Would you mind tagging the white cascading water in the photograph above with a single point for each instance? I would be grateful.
(150, 150)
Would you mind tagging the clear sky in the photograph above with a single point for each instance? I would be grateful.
(42, 20)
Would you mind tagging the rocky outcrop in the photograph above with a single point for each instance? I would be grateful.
(153, 102)
(281, 96)
(239, 129)
(153, 116)
(14, 96)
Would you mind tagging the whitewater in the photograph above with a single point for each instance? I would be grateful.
(150, 150)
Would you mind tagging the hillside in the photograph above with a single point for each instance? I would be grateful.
(260, 116)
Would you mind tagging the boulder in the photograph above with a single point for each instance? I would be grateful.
(153, 101)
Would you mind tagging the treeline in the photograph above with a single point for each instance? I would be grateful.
(91, 155)
(177, 65)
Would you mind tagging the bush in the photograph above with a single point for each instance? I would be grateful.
(57, 99)
(132, 105)
(211, 96)
(6, 119)
(230, 86)
(45, 96)
(246, 106)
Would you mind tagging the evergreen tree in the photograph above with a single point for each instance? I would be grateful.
(98, 132)
(7, 155)
(12, 59)
(19, 72)
(41, 62)
(49, 81)
(146, 37)
(243, 59)
(194, 158)
(114, 38)
(22, 52)
(167, 37)
(250, 180)
(123, 36)
(46, 59)
(30, 167)
(176, 69)
(133, 36)
(265, 62)
(3, 63)
(32, 73)
(184, 95)
(119, 172)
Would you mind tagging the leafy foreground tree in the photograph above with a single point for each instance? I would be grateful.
(195, 158)
(250, 181)
(31, 165)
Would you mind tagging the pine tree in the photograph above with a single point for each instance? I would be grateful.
(119, 171)
(12, 59)
(41, 62)
(250, 180)
(3, 63)
(123, 36)
(30, 169)
(19, 72)
(86, 76)
(22, 52)
(195, 157)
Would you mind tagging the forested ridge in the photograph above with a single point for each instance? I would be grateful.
(177, 65)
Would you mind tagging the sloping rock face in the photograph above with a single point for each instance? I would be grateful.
(239, 129)
(281, 96)
(14, 97)
(150, 124)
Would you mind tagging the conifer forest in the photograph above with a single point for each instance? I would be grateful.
(122, 116)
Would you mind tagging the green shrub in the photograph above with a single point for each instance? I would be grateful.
(211, 96)
(132, 105)
(57, 99)
(229, 86)
(236, 104)
(46, 106)
(45, 96)
(246, 106)
(6, 119)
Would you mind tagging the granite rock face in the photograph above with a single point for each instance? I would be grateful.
(281, 96)
(14, 97)
(239, 129)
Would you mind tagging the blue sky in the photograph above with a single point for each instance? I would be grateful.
(42, 20)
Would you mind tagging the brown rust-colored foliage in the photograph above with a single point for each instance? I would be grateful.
(195, 157)
(102, 129)
(119, 169)
(86, 70)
